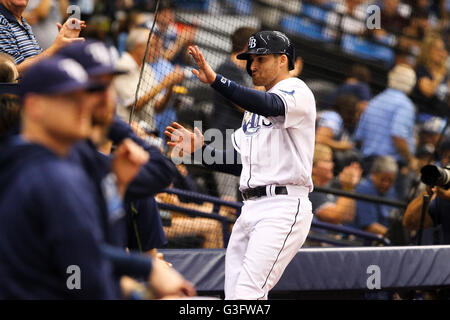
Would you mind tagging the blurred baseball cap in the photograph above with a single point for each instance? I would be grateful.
(54, 75)
(434, 125)
(96, 58)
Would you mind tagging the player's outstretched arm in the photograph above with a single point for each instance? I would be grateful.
(186, 142)
(262, 103)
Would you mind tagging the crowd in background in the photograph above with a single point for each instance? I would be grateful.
(367, 143)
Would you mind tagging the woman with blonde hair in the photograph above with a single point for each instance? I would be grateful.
(431, 91)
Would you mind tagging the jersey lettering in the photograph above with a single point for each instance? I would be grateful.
(252, 123)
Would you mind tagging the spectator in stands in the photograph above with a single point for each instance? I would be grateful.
(431, 91)
(354, 14)
(372, 216)
(392, 19)
(8, 69)
(415, 32)
(129, 22)
(334, 125)
(17, 39)
(386, 127)
(431, 131)
(357, 84)
(188, 231)
(174, 42)
(9, 104)
(328, 207)
(436, 214)
(43, 15)
(444, 149)
(149, 98)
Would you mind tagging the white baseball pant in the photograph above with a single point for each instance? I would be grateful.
(266, 236)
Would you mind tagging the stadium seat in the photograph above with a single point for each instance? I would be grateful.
(314, 12)
(198, 5)
(223, 24)
(306, 28)
(366, 49)
(242, 7)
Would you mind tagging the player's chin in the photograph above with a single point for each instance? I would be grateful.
(257, 81)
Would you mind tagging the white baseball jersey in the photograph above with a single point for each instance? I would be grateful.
(279, 150)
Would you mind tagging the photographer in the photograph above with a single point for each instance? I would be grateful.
(438, 212)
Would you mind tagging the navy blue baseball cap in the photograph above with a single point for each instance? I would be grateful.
(95, 57)
(55, 75)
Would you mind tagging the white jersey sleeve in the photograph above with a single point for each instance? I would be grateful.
(236, 139)
(298, 102)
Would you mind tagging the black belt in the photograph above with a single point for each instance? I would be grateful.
(258, 192)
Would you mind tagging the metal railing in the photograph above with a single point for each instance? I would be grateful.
(368, 238)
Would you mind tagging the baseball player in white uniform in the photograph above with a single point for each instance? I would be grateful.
(276, 146)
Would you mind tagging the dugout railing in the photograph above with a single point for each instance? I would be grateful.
(358, 237)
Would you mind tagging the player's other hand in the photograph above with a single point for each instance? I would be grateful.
(128, 159)
(166, 281)
(184, 141)
(204, 73)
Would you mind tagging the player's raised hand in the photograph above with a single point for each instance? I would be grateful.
(183, 140)
(204, 73)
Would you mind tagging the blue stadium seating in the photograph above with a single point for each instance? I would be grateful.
(306, 28)
(241, 7)
(367, 50)
(200, 5)
(314, 12)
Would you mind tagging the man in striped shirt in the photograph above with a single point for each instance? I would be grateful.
(17, 39)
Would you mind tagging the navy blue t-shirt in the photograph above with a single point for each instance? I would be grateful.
(435, 105)
(368, 213)
(49, 222)
(145, 230)
(439, 211)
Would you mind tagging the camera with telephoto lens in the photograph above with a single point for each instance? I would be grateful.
(433, 175)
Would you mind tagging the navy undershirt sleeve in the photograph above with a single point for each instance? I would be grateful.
(234, 168)
(131, 264)
(255, 101)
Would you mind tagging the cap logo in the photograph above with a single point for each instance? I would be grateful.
(99, 52)
(73, 69)
(251, 43)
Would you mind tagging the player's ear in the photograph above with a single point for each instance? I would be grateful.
(284, 62)
(31, 104)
